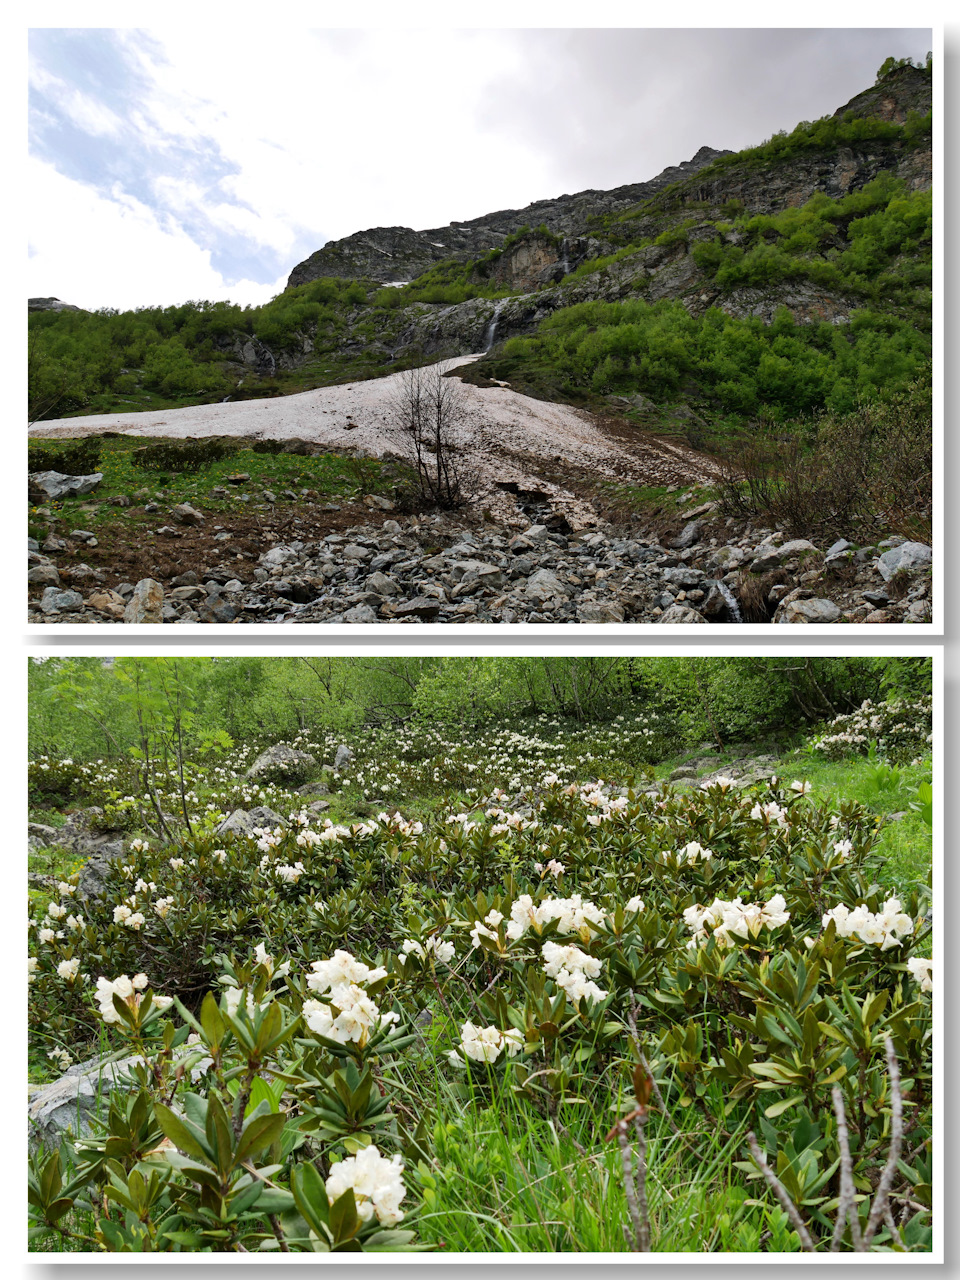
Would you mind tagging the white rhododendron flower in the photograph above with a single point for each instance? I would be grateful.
(351, 1016)
(843, 849)
(636, 904)
(46, 935)
(106, 990)
(883, 929)
(66, 889)
(721, 781)
(770, 812)
(376, 1182)
(734, 920)
(32, 964)
(177, 863)
(341, 968)
(492, 918)
(55, 911)
(485, 1044)
(442, 951)
(920, 971)
(801, 788)
(570, 969)
(68, 969)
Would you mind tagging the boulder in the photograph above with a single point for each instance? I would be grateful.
(81, 1095)
(543, 584)
(807, 611)
(185, 514)
(909, 555)
(56, 601)
(281, 759)
(146, 603)
(51, 486)
(344, 756)
(599, 611)
(243, 821)
(680, 613)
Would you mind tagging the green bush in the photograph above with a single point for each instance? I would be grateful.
(75, 458)
(186, 455)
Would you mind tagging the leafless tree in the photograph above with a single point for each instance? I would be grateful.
(427, 410)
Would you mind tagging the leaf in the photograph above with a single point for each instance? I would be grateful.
(310, 1196)
(642, 1085)
(259, 1133)
(778, 1108)
(182, 1134)
(344, 1219)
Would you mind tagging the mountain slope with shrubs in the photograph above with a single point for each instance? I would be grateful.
(556, 1002)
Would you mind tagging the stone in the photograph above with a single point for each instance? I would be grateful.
(215, 610)
(420, 607)
(188, 579)
(838, 550)
(54, 485)
(908, 555)
(43, 575)
(680, 613)
(383, 585)
(80, 1096)
(109, 603)
(683, 576)
(377, 502)
(344, 756)
(687, 538)
(360, 613)
(807, 611)
(146, 603)
(185, 514)
(543, 584)
(282, 759)
(56, 601)
(243, 822)
(600, 611)
(799, 546)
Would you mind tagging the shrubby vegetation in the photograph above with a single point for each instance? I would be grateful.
(744, 367)
(385, 1029)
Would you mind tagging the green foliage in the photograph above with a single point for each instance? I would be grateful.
(186, 455)
(744, 366)
(72, 457)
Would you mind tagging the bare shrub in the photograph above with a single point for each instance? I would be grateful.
(753, 592)
(872, 466)
(428, 410)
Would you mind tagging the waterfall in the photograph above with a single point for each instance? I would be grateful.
(490, 331)
(730, 602)
(565, 255)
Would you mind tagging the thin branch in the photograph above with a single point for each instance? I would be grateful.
(635, 1037)
(847, 1208)
(896, 1140)
(791, 1210)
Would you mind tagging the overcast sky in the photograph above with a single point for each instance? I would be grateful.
(182, 163)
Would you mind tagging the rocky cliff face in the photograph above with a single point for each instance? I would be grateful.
(395, 254)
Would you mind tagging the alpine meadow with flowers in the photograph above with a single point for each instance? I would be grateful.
(516, 955)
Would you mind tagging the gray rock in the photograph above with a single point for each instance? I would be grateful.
(56, 601)
(279, 758)
(72, 1103)
(839, 550)
(185, 514)
(344, 756)
(687, 538)
(44, 575)
(420, 607)
(54, 485)
(908, 555)
(243, 821)
(797, 547)
(683, 577)
(807, 611)
(543, 584)
(146, 603)
(680, 613)
(362, 613)
(600, 611)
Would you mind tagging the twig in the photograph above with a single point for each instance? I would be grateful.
(635, 1037)
(639, 1121)
(641, 1228)
(791, 1210)
(847, 1208)
(896, 1139)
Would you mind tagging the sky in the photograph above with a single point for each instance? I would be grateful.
(177, 163)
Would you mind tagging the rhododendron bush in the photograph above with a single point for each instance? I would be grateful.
(290, 991)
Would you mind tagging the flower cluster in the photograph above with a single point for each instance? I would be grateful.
(485, 1044)
(920, 971)
(570, 968)
(376, 1182)
(442, 951)
(732, 920)
(883, 929)
(129, 991)
(350, 1015)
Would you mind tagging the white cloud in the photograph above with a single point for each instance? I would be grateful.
(119, 253)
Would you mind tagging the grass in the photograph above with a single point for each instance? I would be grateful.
(329, 476)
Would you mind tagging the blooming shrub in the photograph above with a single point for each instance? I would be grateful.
(899, 731)
(736, 939)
